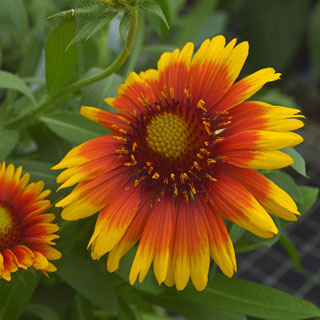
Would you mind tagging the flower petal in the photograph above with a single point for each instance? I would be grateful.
(214, 68)
(245, 88)
(237, 204)
(155, 242)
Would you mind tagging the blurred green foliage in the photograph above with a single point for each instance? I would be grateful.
(39, 57)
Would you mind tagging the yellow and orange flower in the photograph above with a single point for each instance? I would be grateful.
(183, 154)
(26, 232)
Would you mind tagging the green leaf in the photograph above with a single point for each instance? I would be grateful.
(236, 232)
(253, 300)
(277, 97)
(82, 309)
(299, 164)
(314, 39)
(214, 24)
(89, 25)
(17, 13)
(272, 43)
(8, 141)
(14, 295)
(87, 279)
(291, 250)
(124, 27)
(73, 127)
(60, 62)
(94, 94)
(191, 306)
(153, 8)
(42, 312)
(309, 196)
(78, 11)
(11, 81)
(194, 21)
(125, 312)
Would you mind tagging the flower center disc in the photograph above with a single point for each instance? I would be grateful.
(8, 229)
(167, 134)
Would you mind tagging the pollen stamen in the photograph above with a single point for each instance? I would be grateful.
(134, 146)
(185, 193)
(192, 188)
(156, 175)
(196, 164)
(120, 138)
(187, 93)
(211, 161)
(200, 105)
(211, 178)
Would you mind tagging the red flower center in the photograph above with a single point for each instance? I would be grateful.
(170, 149)
(9, 232)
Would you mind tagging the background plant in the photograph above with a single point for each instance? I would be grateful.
(50, 67)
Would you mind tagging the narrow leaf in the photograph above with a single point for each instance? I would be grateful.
(91, 25)
(291, 250)
(8, 141)
(11, 81)
(87, 279)
(60, 62)
(73, 127)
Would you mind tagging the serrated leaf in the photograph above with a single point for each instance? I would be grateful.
(78, 11)
(153, 8)
(87, 279)
(60, 62)
(91, 25)
(299, 164)
(124, 27)
(73, 127)
(8, 141)
(14, 295)
(10, 81)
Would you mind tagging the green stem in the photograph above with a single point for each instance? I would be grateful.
(49, 101)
